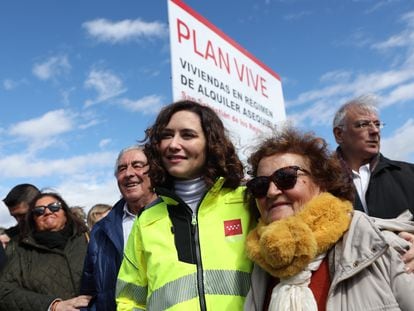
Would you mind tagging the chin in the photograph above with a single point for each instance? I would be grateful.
(279, 215)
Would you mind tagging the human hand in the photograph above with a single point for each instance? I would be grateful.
(72, 304)
(408, 257)
(4, 239)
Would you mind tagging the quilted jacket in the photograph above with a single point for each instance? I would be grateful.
(36, 275)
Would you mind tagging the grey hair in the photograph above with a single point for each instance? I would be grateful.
(123, 151)
(367, 103)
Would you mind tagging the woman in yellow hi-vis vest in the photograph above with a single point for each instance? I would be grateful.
(186, 251)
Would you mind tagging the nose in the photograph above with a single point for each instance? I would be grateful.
(129, 170)
(174, 143)
(373, 128)
(273, 191)
(47, 211)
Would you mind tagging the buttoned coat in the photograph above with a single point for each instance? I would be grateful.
(365, 269)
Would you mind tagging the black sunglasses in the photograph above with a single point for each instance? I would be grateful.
(284, 178)
(53, 207)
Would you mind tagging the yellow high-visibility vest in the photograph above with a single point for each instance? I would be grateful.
(177, 261)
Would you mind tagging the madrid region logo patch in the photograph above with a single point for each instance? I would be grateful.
(233, 227)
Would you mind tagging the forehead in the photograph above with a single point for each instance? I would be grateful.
(357, 113)
(19, 208)
(269, 164)
(185, 120)
(133, 155)
(45, 200)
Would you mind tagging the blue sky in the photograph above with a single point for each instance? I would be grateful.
(80, 80)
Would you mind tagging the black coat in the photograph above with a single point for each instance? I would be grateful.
(36, 275)
(391, 189)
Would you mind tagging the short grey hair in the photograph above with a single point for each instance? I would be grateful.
(368, 103)
(122, 152)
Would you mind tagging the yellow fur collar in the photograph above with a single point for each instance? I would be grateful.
(285, 247)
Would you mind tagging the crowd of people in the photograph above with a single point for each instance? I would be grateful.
(308, 229)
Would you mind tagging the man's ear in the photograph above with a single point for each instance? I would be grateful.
(338, 132)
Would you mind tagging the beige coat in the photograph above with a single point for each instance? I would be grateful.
(365, 267)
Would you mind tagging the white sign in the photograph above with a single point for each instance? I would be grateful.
(210, 68)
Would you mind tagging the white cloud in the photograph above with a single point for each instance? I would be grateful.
(51, 68)
(77, 182)
(105, 83)
(359, 38)
(336, 76)
(26, 166)
(104, 142)
(9, 84)
(400, 94)
(50, 124)
(89, 193)
(398, 146)
(126, 30)
(394, 86)
(380, 5)
(89, 123)
(147, 105)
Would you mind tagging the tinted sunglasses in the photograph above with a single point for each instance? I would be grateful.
(284, 178)
(53, 207)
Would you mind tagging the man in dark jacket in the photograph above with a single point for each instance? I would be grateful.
(109, 235)
(385, 188)
(17, 201)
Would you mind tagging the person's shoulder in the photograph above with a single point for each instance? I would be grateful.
(398, 163)
(394, 166)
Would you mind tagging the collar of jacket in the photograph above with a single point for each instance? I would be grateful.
(384, 162)
(372, 164)
(111, 225)
(30, 241)
(171, 198)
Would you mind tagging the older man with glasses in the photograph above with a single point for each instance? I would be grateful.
(110, 235)
(385, 187)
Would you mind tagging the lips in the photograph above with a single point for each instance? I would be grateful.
(133, 184)
(279, 204)
(372, 142)
(175, 158)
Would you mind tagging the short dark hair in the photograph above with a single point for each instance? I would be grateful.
(20, 193)
(325, 168)
(221, 156)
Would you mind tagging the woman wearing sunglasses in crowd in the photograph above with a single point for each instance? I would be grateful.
(186, 251)
(311, 250)
(44, 271)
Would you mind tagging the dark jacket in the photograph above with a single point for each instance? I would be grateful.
(3, 258)
(391, 189)
(35, 275)
(103, 259)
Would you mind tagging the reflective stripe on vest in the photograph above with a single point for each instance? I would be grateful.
(217, 282)
(131, 292)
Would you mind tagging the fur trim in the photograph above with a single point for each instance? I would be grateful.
(284, 247)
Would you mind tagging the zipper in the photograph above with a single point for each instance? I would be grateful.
(200, 277)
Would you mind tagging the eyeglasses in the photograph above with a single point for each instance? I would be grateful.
(364, 124)
(53, 207)
(284, 178)
(137, 165)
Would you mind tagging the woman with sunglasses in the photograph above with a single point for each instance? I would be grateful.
(186, 251)
(311, 250)
(44, 271)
